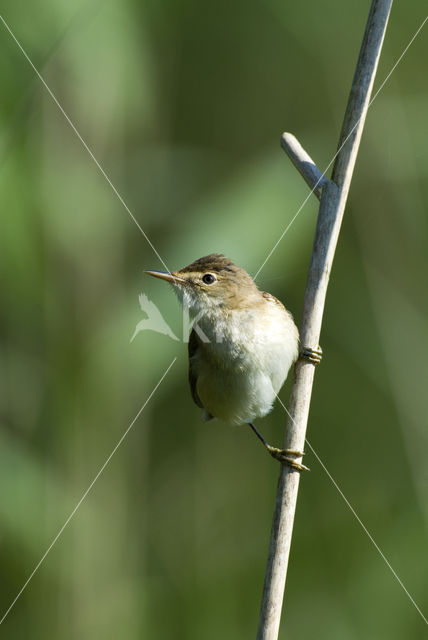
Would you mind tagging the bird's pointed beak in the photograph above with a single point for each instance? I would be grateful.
(164, 275)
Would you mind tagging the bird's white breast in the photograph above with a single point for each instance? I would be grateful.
(240, 372)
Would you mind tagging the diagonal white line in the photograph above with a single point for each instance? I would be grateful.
(42, 559)
(360, 522)
(413, 38)
(288, 226)
(88, 149)
(367, 532)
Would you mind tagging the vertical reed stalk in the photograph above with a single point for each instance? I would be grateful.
(332, 205)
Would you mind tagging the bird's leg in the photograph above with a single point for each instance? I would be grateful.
(282, 455)
(311, 355)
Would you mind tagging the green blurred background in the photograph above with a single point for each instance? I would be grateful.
(183, 104)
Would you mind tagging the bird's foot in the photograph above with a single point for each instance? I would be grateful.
(283, 456)
(311, 355)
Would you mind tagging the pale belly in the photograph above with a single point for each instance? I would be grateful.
(236, 397)
(238, 390)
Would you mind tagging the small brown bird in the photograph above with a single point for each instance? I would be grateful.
(242, 344)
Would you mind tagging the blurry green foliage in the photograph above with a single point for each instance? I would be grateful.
(183, 104)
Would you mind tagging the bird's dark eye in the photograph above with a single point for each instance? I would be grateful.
(208, 278)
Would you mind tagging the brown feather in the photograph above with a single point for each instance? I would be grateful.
(193, 346)
(214, 262)
(271, 298)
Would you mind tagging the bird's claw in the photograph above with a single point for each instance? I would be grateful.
(282, 455)
(311, 355)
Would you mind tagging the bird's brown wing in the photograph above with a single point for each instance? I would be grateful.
(271, 298)
(194, 345)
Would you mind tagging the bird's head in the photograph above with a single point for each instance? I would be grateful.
(212, 285)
